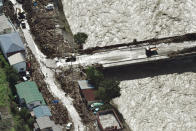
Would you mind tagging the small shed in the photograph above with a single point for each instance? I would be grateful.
(87, 91)
(11, 44)
(5, 26)
(29, 94)
(45, 124)
(18, 62)
(41, 111)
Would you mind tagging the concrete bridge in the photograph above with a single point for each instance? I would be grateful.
(128, 55)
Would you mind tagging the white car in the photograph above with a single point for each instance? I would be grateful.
(68, 126)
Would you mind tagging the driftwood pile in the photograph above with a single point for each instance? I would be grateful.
(42, 24)
(68, 80)
(8, 10)
(59, 112)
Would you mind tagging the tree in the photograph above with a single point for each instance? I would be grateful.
(108, 90)
(12, 78)
(94, 76)
(80, 38)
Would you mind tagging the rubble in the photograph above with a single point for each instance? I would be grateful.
(59, 112)
(68, 80)
(43, 27)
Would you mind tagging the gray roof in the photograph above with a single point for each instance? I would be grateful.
(11, 43)
(41, 111)
(44, 122)
(84, 84)
(16, 58)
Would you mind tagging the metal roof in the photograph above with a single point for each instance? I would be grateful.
(16, 58)
(84, 84)
(29, 91)
(89, 94)
(11, 43)
(44, 122)
(41, 111)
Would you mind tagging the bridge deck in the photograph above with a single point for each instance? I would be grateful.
(128, 55)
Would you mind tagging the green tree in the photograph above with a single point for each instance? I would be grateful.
(80, 38)
(108, 90)
(30, 122)
(94, 76)
(12, 78)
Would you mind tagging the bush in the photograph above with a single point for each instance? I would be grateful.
(109, 89)
(80, 38)
(94, 76)
(12, 78)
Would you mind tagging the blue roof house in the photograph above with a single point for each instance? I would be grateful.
(41, 111)
(11, 44)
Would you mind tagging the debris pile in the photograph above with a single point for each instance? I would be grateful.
(8, 9)
(43, 27)
(59, 112)
(68, 80)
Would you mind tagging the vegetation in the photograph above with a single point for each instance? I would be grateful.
(106, 89)
(94, 76)
(80, 38)
(14, 120)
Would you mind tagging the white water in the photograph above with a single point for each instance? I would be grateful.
(116, 21)
(160, 103)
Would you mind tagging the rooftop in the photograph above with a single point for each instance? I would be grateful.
(44, 122)
(84, 84)
(16, 58)
(41, 111)
(29, 91)
(11, 42)
(89, 94)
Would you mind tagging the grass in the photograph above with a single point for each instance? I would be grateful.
(14, 122)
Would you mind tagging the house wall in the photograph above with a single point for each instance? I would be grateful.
(12, 53)
(20, 66)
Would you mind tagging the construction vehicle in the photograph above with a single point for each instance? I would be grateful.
(151, 51)
(71, 58)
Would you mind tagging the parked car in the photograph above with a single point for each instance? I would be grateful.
(23, 25)
(68, 126)
(50, 7)
(20, 1)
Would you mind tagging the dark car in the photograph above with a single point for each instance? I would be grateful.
(20, 1)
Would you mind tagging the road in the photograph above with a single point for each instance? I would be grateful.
(49, 76)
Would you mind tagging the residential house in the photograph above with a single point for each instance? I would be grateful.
(29, 95)
(41, 111)
(45, 124)
(87, 91)
(5, 27)
(11, 44)
(17, 61)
